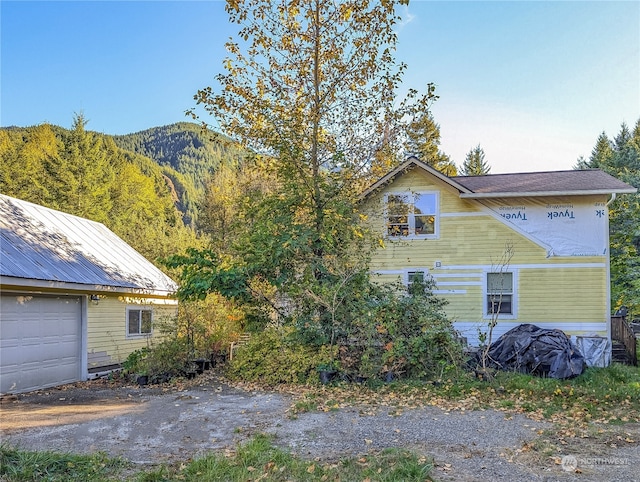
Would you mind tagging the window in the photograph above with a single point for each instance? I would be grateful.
(412, 214)
(138, 321)
(415, 276)
(500, 294)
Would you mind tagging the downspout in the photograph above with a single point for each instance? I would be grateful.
(608, 274)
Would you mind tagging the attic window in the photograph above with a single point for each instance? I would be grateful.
(139, 321)
(412, 214)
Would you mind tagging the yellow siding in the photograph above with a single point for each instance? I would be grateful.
(471, 242)
(562, 294)
(107, 341)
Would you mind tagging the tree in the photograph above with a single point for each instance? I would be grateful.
(25, 157)
(474, 164)
(621, 159)
(423, 141)
(310, 85)
(84, 174)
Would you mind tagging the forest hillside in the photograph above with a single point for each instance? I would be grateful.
(145, 186)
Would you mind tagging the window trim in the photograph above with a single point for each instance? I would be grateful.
(514, 295)
(140, 334)
(411, 216)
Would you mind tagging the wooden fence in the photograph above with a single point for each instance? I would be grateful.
(622, 332)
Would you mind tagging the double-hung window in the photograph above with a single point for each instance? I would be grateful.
(500, 294)
(412, 214)
(139, 321)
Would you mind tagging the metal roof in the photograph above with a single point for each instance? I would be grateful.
(45, 245)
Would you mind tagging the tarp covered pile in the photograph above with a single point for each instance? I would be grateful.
(539, 351)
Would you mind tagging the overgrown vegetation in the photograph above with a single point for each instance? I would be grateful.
(377, 332)
(202, 331)
(257, 459)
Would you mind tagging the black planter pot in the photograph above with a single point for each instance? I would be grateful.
(326, 376)
(143, 380)
(201, 364)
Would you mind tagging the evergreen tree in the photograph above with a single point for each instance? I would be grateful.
(621, 159)
(474, 163)
(423, 141)
(84, 174)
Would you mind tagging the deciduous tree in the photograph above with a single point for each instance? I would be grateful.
(311, 85)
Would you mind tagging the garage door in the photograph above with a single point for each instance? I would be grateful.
(40, 341)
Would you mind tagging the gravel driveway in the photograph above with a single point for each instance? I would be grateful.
(154, 425)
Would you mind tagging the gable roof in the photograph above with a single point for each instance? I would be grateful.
(48, 248)
(408, 165)
(537, 184)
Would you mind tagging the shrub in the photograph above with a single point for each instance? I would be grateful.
(401, 330)
(274, 356)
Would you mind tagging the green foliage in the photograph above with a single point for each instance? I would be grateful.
(621, 159)
(275, 356)
(317, 117)
(84, 173)
(474, 163)
(372, 330)
(22, 465)
(202, 329)
(401, 330)
(189, 156)
(135, 362)
(423, 141)
(257, 458)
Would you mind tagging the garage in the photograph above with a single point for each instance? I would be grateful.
(40, 341)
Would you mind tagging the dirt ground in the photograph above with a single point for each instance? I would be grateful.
(167, 424)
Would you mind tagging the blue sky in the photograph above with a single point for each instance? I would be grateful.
(534, 83)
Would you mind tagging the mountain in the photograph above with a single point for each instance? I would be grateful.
(86, 174)
(187, 155)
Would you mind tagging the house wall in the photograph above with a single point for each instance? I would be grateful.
(565, 292)
(107, 340)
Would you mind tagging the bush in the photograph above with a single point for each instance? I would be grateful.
(275, 356)
(403, 331)
(202, 329)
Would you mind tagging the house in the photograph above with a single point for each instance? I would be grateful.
(75, 298)
(523, 248)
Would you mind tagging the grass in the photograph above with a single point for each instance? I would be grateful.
(21, 465)
(607, 395)
(256, 460)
